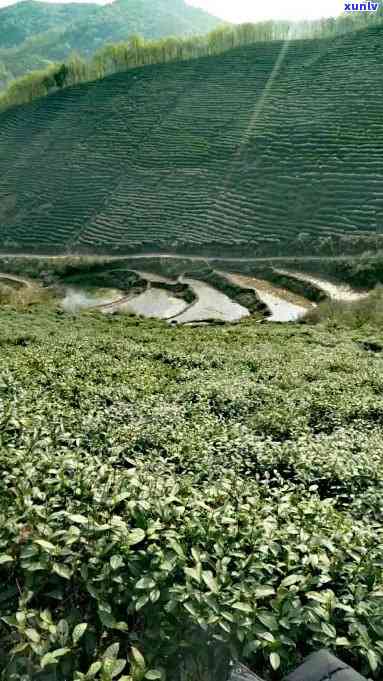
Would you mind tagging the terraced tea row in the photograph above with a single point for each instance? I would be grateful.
(254, 147)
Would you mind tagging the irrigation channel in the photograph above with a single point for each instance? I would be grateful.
(209, 304)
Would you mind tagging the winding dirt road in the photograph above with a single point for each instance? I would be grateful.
(19, 280)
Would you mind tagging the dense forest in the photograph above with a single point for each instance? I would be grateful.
(34, 35)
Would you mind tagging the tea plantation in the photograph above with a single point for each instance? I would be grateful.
(255, 147)
(173, 497)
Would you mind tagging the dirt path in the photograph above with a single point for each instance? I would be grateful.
(175, 256)
(19, 280)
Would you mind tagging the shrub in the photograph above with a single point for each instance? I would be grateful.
(163, 510)
(353, 314)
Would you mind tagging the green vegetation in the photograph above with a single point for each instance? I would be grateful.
(236, 157)
(353, 314)
(36, 34)
(137, 51)
(362, 272)
(173, 496)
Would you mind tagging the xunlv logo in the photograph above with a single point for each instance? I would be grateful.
(361, 6)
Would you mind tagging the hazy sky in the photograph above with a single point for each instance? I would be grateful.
(257, 10)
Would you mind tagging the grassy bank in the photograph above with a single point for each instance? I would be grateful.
(353, 315)
(170, 496)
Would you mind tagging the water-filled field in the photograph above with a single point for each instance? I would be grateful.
(209, 304)
(209, 295)
(153, 302)
(281, 303)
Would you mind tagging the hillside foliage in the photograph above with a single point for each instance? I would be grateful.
(138, 50)
(33, 35)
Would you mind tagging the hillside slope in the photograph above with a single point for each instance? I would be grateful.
(262, 145)
(33, 34)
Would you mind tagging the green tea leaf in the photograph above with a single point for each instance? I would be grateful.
(267, 636)
(46, 545)
(116, 562)
(196, 554)
(94, 669)
(62, 570)
(328, 629)
(47, 659)
(269, 621)
(136, 536)
(77, 518)
(264, 591)
(177, 548)
(244, 607)
(373, 660)
(137, 658)
(111, 652)
(291, 579)
(143, 600)
(145, 583)
(194, 573)
(5, 558)
(62, 630)
(209, 580)
(60, 652)
(78, 632)
(275, 661)
(33, 635)
(113, 667)
(53, 657)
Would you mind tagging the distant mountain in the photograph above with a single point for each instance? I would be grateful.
(33, 34)
(269, 148)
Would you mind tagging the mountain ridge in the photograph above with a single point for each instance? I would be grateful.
(35, 33)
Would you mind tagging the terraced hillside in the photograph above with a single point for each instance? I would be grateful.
(269, 147)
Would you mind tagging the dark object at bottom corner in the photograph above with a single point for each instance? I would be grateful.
(323, 666)
(320, 666)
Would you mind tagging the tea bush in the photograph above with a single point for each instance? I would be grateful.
(171, 498)
(353, 314)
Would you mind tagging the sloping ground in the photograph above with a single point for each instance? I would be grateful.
(258, 145)
(33, 34)
(333, 290)
(238, 471)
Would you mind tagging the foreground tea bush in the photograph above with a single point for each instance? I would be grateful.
(171, 498)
